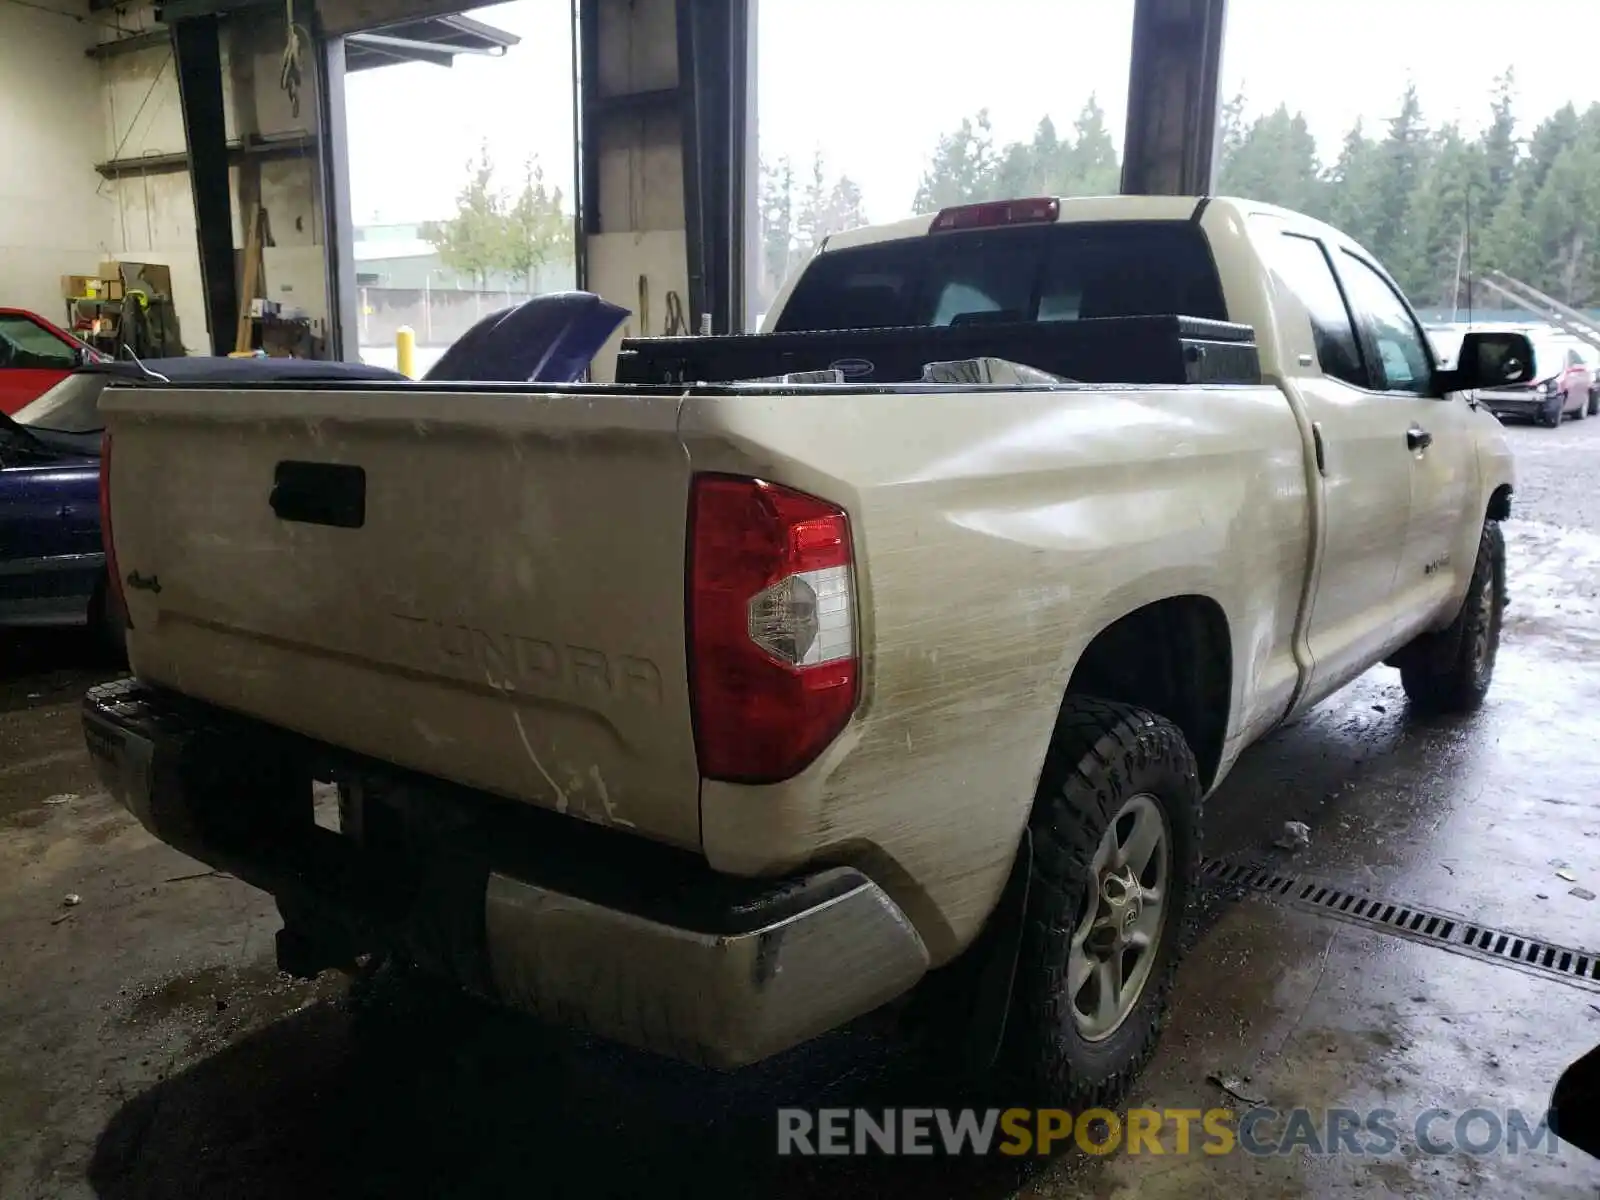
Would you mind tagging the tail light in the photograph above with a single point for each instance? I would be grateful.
(774, 662)
(116, 595)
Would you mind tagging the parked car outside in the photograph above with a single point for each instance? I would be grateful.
(1562, 385)
(1591, 357)
(35, 355)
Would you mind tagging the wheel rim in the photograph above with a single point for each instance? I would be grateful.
(1115, 945)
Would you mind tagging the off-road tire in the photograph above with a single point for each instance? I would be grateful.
(1101, 755)
(1450, 671)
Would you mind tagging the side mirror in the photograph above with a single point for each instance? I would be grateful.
(1489, 359)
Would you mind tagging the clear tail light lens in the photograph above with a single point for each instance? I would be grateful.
(773, 654)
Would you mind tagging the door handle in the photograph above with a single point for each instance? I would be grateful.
(1418, 438)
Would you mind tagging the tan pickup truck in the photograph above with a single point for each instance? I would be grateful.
(712, 715)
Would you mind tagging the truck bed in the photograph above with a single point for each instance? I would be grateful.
(1128, 350)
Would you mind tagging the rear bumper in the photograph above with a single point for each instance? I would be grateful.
(581, 926)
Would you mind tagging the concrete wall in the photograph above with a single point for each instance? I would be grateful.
(152, 218)
(54, 218)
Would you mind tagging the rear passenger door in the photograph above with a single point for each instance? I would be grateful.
(1363, 462)
(1442, 531)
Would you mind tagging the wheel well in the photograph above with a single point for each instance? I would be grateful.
(1500, 503)
(1173, 657)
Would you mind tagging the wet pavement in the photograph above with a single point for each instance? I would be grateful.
(148, 1048)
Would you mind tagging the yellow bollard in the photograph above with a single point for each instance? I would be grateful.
(405, 351)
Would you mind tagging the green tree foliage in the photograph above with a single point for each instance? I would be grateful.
(963, 168)
(473, 241)
(1273, 156)
(493, 233)
(538, 230)
(1433, 202)
(796, 218)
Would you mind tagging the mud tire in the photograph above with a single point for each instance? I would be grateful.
(1450, 671)
(1102, 755)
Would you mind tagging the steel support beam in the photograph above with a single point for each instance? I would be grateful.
(586, 113)
(197, 54)
(338, 222)
(1173, 97)
(714, 58)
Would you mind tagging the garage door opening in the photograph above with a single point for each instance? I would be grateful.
(460, 152)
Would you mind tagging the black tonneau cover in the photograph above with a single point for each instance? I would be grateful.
(1131, 350)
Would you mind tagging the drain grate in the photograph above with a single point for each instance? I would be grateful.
(1425, 925)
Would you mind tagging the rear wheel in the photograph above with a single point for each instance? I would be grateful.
(1450, 671)
(1116, 855)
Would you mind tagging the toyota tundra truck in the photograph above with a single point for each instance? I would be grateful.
(878, 662)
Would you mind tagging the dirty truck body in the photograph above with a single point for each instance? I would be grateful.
(711, 716)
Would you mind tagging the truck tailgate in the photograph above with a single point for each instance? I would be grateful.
(488, 588)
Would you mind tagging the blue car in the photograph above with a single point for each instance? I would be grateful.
(52, 562)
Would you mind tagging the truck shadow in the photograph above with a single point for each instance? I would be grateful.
(40, 664)
(457, 1099)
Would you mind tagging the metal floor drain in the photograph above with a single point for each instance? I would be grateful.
(1420, 924)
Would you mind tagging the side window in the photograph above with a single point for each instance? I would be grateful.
(1305, 268)
(1407, 366)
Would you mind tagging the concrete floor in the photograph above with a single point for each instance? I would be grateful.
(148, 1048)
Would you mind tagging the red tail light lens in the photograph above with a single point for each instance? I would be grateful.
(113, 576)
(1042, 210)
(774, 660)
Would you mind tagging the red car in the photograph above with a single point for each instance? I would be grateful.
(35, 355)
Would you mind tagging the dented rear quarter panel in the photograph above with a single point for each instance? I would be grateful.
(995, 535)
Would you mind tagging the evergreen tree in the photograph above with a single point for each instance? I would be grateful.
(1352, 185)
(1457, 174)
(795, 221)
(1091, 162)
(1436, 205)
(1402, 160)
(1500, 144)
(963, 168)
(1274, 158)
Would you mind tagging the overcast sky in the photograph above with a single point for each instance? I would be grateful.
(872, 83)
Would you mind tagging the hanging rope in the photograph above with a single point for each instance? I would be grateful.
(289, 75)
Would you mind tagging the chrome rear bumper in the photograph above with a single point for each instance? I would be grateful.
(576, 925)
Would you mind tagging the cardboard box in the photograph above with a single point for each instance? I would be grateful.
(74, 287)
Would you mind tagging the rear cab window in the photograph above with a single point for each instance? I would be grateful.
(1063, 272)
